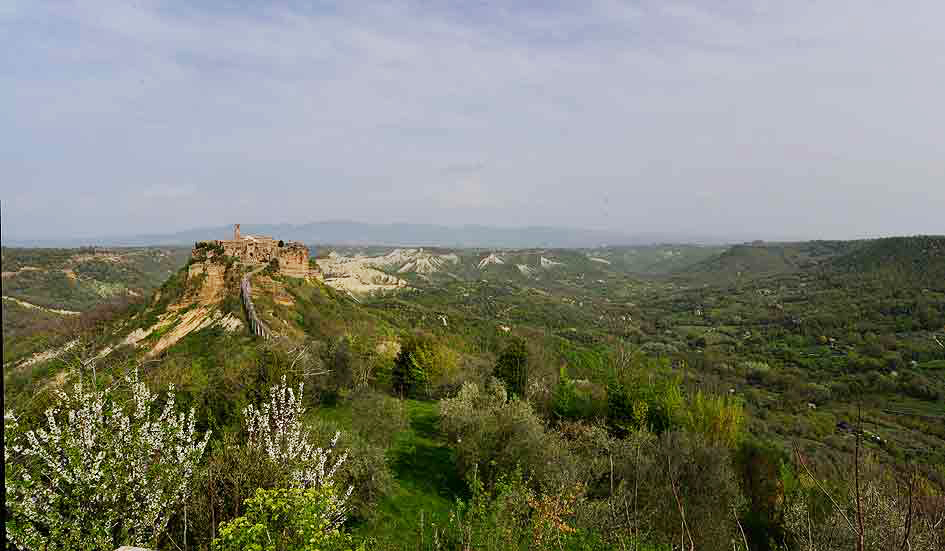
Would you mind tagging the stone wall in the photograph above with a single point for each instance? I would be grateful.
(293, 260)
(292, 256)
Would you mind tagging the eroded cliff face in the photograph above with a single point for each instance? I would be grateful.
(357, 276)
(211, 285)
(199, 307)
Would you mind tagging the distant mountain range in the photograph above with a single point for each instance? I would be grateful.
(342, 232)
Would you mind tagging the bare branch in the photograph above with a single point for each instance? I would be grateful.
(742, 530)
(836, 505)
(856, 474)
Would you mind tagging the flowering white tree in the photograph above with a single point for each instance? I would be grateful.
(276, 428)
(103, 472)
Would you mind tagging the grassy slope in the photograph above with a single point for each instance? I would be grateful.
(426, 480)
(78, 279)
(74, 279)
(751, 261)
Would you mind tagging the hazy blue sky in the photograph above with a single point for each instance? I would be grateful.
(767, 119)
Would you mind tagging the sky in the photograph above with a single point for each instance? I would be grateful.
(755, 119)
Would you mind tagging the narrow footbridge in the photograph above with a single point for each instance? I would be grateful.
(256, 326)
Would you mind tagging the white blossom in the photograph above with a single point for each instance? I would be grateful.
(97, 475)
(277, 428)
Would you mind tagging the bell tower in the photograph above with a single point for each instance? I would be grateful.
(236, 232)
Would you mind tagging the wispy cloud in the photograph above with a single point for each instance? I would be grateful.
(393, 111)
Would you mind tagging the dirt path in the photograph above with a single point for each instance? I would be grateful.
(32, 306)
(43, 356)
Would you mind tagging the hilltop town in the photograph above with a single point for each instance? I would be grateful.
(291, 257)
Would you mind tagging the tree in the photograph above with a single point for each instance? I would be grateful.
(419, 363)
(275, 450)
(512, 367)
(103, 473)
(492, 433)
(276, 428)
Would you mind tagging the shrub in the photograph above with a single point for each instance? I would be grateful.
(377, 417)
(276, 428)
(491, 433)
(286, 519)
(351, 362)
(717, 418)
(571, 402)
(638, 400)
(365, 469)
(691, 479)
(820, 523)
(233, 473)
(515, 515)
(512, 367)
(272, 268)
(420, 362)
(102, 473)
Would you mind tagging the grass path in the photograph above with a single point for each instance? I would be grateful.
(426, 481)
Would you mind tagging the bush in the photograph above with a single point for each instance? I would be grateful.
(286, 519)
(638, 400)
(103, 473)
(232, 475)
(366, 469)
(419, 364)
(276, 428)
(512, 367)
(701, 478)
(272, 268)
(351, 362)
(572, 403)
(515, 516)
(717, 418)
(275, 451)
(378, 418)
(491, 433)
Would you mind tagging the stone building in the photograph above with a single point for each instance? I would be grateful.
(259, 249)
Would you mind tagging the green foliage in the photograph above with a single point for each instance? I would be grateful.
(644, 396)
(493, 434)
(765, 478)
(203, 249)
(352, 362)
(377, 417)
(421, 361)
(512, 366)
(366, 468)
(570, 402)
(272, 268)
(701, 476)
(232, 475)
(515, 516)
(718, 419)
(285, 519)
